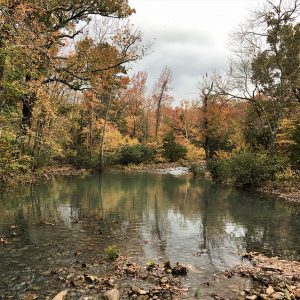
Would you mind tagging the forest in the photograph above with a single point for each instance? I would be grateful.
(66, 97)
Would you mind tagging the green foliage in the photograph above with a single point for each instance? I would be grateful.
(136, 154)
(83, 159)
(172, 150)
(219, 169)
(111, 252)
(256, 132)
(294, 149)
(197, 170)
(246, 168)
(250, 169)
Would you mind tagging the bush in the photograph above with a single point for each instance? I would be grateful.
(253, 169)
(82, 159)
(197, 170)
(246, 169)
(136, 154)
(219, 169)
(172, 150)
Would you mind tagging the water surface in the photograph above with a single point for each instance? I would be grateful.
(149, 216)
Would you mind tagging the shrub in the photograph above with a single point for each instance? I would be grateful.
(136, 154)
(112, 252)
(172, 150)
(245, 168)
(253, 169)
(82, 159)
(197, 170)
(219, 169)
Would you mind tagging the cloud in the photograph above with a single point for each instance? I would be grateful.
(189, 36)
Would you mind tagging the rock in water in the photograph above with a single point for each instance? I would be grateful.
(112, 295)
(61, 295)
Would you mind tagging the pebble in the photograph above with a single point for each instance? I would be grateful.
(164, 280)
(252, 297)
(270, 290)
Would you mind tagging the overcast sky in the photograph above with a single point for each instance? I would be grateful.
(190, 36)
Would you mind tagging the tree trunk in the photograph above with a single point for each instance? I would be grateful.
(103, 135)
(205, 127)
(37, 142)
(158, 113)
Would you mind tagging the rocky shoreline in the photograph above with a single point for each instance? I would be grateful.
(271, 278)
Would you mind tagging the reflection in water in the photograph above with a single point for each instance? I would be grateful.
(151, 216)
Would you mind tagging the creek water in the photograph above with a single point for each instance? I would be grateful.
(148, 216)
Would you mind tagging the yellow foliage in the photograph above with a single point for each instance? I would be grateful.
(223, 154)
(114, 140)
(194, 153)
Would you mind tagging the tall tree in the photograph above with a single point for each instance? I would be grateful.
(135, 104)
(161, 95)
(267, 65)
(51, 24)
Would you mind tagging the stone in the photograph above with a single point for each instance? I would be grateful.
(142, 292)
(164, 280)
(91, 279)
(270, 290)
(113, 294)
(296, 293)
(130, 271)
(252, 297)
(278, 296)
(135, 288)
(30, 296)
(142, 297)
(152, 279)
(61, 295)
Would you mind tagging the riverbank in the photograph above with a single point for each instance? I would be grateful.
(288, 191)
(10, 182)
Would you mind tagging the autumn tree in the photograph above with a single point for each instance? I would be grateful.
(135, 100)
(161, 96)
(265, 71)
(207, 86)
(51, 25)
